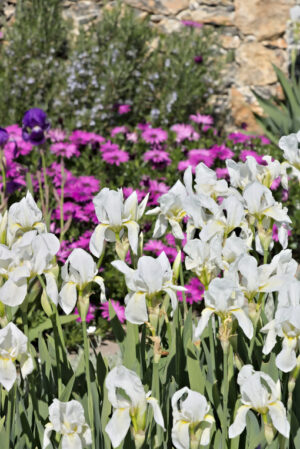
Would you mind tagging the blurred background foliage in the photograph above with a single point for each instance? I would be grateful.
(121, 59)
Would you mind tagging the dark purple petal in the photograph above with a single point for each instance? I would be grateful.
(36, 117)
(3, 137)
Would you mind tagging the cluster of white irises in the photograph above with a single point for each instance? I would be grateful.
(220, 237)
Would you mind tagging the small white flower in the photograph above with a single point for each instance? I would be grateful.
(260, 203)
(151, 278)
(171, 210)
(224, 299)
(129, 400)
(202, 258)
(24, 216)
(77, 273)
(260, 393)
(190, 410)
(287, 326)
(256, 279)
(13, 346)
(115, 214)
(67, 418)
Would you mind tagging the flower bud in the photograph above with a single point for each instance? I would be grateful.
(269, 430)
(46, 304)
(122, 247)
(176, 267)
(83, 305)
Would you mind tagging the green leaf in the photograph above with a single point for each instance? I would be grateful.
(47, 324)
(118, 330)
(197, 377)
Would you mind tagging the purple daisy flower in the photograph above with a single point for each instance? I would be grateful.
(119, 309)
(202, 119)
(124, 109)
(192, 24)
(115, 157)
(64, 149)
(154, 135)
(157, 157)
(35, 123)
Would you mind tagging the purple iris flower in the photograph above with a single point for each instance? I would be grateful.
(3, 137)
(35, 123)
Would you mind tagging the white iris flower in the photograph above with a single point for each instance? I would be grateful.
(13, 346)
(129, 400)
(67, 418)
(191, 421)
(115, 214)
(224, 299)
(151, 278)
(77, 274)
(260, 393)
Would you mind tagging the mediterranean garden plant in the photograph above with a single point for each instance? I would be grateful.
(224, 377)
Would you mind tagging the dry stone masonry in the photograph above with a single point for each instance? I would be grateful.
(254, 34)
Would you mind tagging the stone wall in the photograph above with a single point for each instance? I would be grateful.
(253, 34)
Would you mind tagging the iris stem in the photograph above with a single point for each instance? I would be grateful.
(11, 411)
(88, 380)
(225, 398)
(212, 345)
(61, 205)
(57, 355)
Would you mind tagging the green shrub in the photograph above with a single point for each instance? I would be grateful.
(33, 59)
(120, 60)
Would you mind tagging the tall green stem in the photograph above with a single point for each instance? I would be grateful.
(212, 345)
(11, 412)
(61, 205)
(225, 399)
(57, 355)
(88, 380)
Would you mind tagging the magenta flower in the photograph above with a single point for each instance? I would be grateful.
(127, 191)
(154, 135)
(201, 155)
(195, 291)
(239, 137)
(222, 173)
(202, 119)
(144, 126)
(119, 309)
(34, 125)
(184, 131)
(257, 157)
(90, 315)
(57, 135)
(115, 157)
(192, 24)
(198, 59)
(159, 158)
(154, 246)
(155, 189)
(64, 149)
(109, 146)
(132, 137)
(222, 152)
(83, 137)
(124, 109)
(276, 183)
(118, 130)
